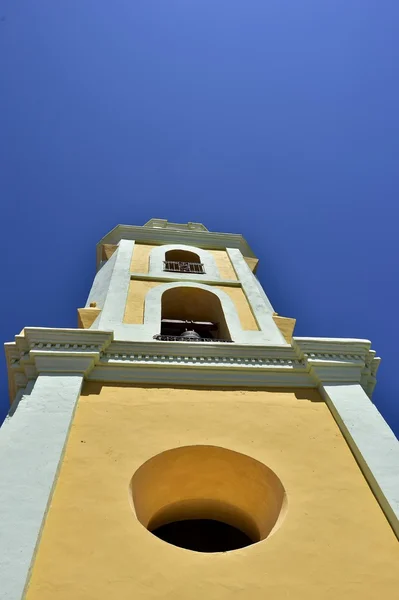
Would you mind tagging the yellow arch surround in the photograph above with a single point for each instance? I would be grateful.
(209, 482)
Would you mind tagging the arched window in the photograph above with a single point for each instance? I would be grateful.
(183, 261)
(192, 314)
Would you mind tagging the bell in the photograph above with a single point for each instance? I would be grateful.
(190, 335)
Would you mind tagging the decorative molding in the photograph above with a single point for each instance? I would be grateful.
(168, 277)
(216, 361)
(202, 350)
(67, 337)
(339, 360)
(49, 350)
(328, 345)
(310, 362)
(193, 375)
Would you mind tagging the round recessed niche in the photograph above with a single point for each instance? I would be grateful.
(207, 498)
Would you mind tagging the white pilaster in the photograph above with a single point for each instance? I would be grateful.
(372, 442)
(99, 289)
(260, 305)
(118, 288)
(32, 441)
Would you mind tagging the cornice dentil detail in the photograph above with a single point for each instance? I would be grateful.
(95, 354)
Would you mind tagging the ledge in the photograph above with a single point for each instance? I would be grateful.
(168, 278)
(308, 362)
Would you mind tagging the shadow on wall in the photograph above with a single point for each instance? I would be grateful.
(182, 256)
(239, 500)
(94, 388)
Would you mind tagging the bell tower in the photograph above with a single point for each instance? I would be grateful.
(182, 443)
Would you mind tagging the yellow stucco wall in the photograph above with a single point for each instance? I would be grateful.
(333, 543)
(141, 253)
(140, 259)
(223, 264)
(242, 305)
(87, 316)
(286, 325)
(134, 312)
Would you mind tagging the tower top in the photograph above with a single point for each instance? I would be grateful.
(164, 224)
(161, 231)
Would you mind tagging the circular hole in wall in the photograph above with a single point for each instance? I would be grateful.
(203, 535)
(208, 498)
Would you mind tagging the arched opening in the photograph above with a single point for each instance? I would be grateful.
(208, 498)
(203, 535)
(192, 314)
(183, 261)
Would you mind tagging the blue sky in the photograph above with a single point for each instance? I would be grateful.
(277, 119)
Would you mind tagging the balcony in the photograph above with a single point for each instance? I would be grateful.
(178, 266)
(179, 330)
(183, 338)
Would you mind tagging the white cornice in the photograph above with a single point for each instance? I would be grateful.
(339, 360)
(308, 362)
(203, 239)
(203, 349)
(66, 337)
(192, 375)
(332, 345)
(48, 350)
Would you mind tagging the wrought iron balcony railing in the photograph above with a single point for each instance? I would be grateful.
(179, 338)
(178, 266)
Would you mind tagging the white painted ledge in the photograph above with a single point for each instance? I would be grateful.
(32, 442)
